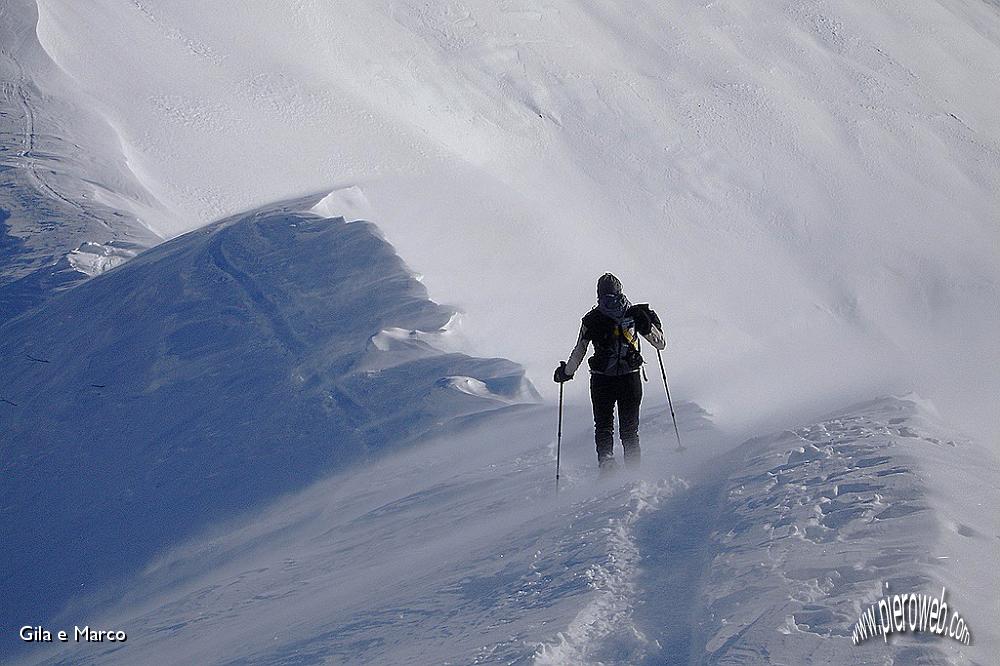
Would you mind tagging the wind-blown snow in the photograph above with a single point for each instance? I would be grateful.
(457, 551)
(64, 183)
(807, 191)
(263, 442)
(203, 379)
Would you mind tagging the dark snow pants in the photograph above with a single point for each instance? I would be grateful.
(626, 392)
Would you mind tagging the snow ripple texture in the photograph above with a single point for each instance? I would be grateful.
(820, 520)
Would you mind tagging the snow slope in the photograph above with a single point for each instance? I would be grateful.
(261, 441)
(69, 205)
(815, 520)
(459, 551)
(798, 186)
(205, 377)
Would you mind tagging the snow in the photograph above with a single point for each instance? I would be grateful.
(63, 179)
(266, 440)
(206, 377)
(605, 627)
(459, 551)
(816, 519)
(394, 562)
(795, 187)
(92, 259)
(347, 202)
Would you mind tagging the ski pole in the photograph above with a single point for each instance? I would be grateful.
(559, 434)
(670, 402)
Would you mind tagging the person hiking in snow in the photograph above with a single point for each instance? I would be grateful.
(613, 326)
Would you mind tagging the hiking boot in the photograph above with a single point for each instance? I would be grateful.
(633, 457)
(607, 467)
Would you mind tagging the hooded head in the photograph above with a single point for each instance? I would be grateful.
(608, 284)
(610, 299)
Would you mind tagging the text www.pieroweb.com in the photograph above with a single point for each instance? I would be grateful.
(911, 612)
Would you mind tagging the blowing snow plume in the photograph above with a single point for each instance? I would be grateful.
(798, 185)
(210, 374)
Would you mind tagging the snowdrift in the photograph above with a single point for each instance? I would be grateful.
(70, 206)
(210, 374)
(816, 523)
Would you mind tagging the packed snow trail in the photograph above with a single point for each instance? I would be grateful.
(676, 546)
(605, 631)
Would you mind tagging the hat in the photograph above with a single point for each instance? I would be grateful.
(608, 284)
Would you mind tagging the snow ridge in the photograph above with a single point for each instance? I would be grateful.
(206, 377)
(793, 185)
(818, 518)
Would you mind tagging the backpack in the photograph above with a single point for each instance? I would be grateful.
(616, 343)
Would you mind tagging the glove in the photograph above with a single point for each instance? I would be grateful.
(645, 319)
(653, 318)
(643, 324)
(560, 375)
